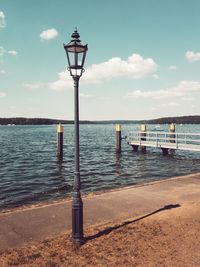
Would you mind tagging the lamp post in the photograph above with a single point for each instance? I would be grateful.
(76, 53)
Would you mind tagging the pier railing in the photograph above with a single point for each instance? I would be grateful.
(165, 140)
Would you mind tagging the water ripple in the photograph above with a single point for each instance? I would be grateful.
(30, 171)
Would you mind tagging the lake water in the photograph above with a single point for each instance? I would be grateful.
(30, 171)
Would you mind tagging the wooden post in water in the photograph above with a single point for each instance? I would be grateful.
(118, 137)
(143, 129)
(172, 130)
(172, 137)
(60, 130)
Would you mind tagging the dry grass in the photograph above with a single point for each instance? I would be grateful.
(169, 238)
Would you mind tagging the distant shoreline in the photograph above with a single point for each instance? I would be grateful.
(193, 119)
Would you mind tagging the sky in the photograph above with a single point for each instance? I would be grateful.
(143, 58)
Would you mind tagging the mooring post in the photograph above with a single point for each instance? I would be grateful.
(172, 136)
(172, 130)
(165, 150)
(143, 129)
(118, 137)
(60, 130)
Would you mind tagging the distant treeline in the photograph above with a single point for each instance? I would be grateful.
(35, 121)
(177, 120)
(41, 121)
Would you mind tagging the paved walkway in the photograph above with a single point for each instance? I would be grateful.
(35, 223)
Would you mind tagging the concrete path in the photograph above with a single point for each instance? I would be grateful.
(35, 223)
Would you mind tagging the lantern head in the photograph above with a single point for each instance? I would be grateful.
(76, 53)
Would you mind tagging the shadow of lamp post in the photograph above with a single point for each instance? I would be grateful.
(76, 53)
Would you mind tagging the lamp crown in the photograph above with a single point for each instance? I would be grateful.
(75, 35)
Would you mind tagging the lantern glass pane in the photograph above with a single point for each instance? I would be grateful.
(71, 59)
(80, 59)
(76, 72)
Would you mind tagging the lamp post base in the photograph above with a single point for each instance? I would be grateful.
(77, 220)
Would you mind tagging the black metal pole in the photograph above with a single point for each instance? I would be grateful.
(77, 204)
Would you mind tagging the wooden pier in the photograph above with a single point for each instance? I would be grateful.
(165, 140)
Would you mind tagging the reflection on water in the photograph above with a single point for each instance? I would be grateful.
(30, 170)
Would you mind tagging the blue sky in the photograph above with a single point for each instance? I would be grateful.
(143, 58)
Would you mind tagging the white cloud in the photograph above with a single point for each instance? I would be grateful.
(2, 72)
(184, 88)
(187, 98)
(12, 52)
(49, 34)
(64, 82)
(192, 56)
(33, 86)
(2, 51)
(135, 67)
(85, 95)
(2, 94)
(170, 104)
(156, 76)
(172, 67)
(2, 20)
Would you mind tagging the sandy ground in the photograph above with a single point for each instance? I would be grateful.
(169, 237)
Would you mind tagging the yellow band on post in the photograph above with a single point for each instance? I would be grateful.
(118, 127)
(60, 128)
(172, 127)
(143, 128)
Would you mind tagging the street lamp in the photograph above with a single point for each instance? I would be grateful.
(76, 53)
